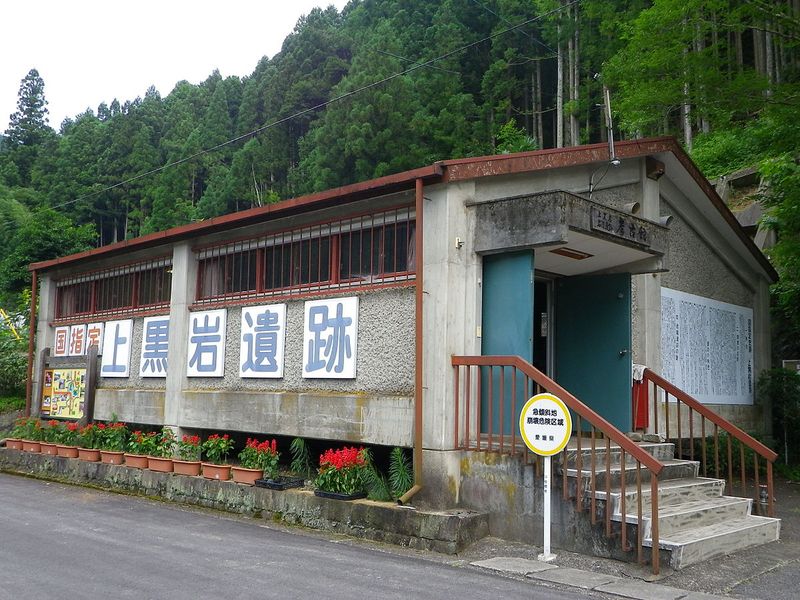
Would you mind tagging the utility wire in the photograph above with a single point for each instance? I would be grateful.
(316, 107)
(507, 22)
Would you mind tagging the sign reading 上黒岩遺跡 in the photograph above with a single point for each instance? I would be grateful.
(545, 424)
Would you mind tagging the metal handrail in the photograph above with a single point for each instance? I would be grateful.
(719, 422)
(598, 425)
(606, 428)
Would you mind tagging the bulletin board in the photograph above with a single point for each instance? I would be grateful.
(64, 393)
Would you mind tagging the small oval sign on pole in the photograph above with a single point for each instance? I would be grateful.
(546, 426)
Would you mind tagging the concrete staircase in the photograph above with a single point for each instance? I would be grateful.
(696, 521)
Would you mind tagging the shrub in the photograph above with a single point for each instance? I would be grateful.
(216, 448)
(261, 455)
(189, 448)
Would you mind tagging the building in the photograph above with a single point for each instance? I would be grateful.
(312, 317)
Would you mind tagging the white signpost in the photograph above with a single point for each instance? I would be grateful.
(545, 425)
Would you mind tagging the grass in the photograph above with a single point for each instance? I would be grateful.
(11, 403)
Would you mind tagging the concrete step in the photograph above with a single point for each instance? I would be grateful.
(675, 518)
(661, 451)
(670, 492)
(673, 469)
(690, 546)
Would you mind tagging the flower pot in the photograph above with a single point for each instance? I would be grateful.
(13, 444)
(89, 454)
(67, 451)
(212, 471)
(337, 496)
(159, 464)
(137, 461)
(248, 476)
(29, 446)
(186, 467)
(281, 483)
(49, 449)
(112, 457)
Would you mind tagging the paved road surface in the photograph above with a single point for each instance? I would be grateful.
(59, 541)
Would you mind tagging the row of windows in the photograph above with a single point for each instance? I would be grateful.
(115, 291)
(330, 256)
(353, 252)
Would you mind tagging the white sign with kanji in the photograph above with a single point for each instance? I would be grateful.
(117, 349)
(263, 339)
(206, 356)
(61, 342)
(330, 336)
(155, 345)
(77, 340)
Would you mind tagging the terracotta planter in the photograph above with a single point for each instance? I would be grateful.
(67, 451)
(29, 446)
(13, 444)
(186, 467)
(248, 476)
(89, 454)
(49, 449)
(159, 465)
(112, 457)
(137, 461)
(221, 472)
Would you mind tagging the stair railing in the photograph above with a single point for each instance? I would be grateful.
(480, 381)
(709, 426)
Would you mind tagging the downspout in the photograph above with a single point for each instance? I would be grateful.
(418, 351)
(31, 338)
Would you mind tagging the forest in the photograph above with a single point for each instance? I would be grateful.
(389, 85)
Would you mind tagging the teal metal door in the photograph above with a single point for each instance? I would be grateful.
(507, 329)
(593, 340)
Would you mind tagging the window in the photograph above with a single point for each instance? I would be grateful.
(377, 251)
(115, 291)
(377, 248)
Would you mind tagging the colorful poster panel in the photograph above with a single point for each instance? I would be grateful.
(64, 393)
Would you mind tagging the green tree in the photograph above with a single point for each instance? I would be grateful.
(44, 235)
(28, 127)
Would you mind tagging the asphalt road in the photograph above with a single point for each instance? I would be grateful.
(59, 541)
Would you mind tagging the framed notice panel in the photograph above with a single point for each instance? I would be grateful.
(707, 347)
(64, 393)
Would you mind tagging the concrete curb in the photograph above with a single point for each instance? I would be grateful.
(588, 580)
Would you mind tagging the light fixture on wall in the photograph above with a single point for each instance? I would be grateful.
(572, 253)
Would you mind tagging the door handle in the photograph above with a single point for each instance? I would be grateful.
(623, 352)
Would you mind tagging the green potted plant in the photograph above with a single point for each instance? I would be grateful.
(68, 440)
(89, 443)
(258, 459)
(160, 457)
(188, 461)
(31, 433)
(342, 474)
(50, 435)
(14, 441)
(113, 441)
(140, 445)
(216, 449)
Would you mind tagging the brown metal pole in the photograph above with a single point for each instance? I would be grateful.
(31, 339)
(418, 207)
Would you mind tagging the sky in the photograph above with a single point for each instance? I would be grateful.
(92, 51)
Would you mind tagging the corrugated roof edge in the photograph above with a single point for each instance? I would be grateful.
(442, 171)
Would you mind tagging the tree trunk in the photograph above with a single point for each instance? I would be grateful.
(560, 94)
(540, 113)
(574, 124)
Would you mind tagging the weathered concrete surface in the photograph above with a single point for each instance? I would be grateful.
(440, 531)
